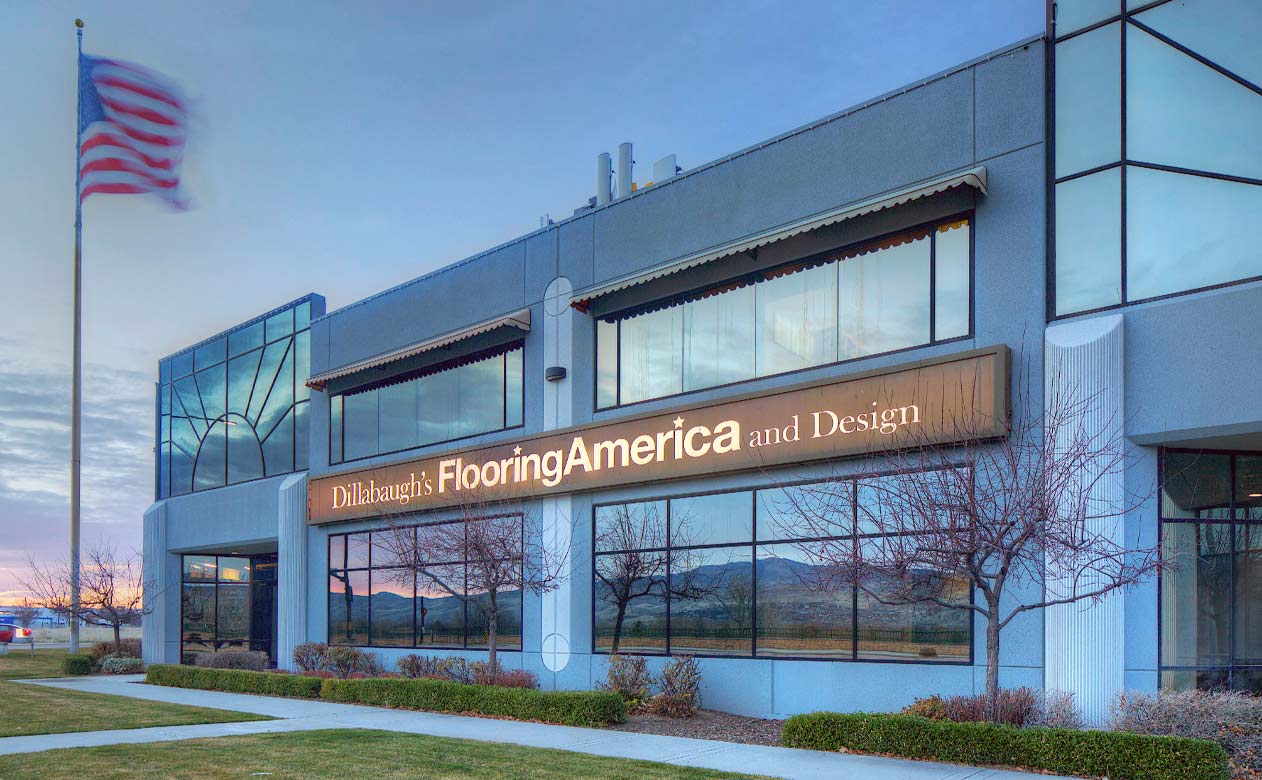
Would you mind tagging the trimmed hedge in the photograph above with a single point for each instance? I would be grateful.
(234, 681)
(79, 663)
(1118, 755)
(568, 708)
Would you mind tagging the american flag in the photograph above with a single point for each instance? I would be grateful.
(132, 127)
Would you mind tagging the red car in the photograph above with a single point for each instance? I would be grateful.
(11, 632)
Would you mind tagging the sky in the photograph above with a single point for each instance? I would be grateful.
(343, 148)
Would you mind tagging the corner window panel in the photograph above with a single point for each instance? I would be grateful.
(802, 611)
(1074, 15)
(712, 601)
(797, 316)
(1196, 597)
(1089, 242)
(1185, 232)
(651, 355)
(1248, 585)
(885, 298)
(719, 339)
(1196, 485)
(952, 280)
(1089, 100)
(1184, 114)
(1224, 31)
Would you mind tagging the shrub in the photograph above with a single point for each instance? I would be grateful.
(128, 648)
(234, 681)
(569, 708)
(1117, 755)
(121, 664)
(345, 661)
(628, 676)
(480, 671)
(1014, 707)
(311, 656)
(1055, 710)
(1230, 718)
(680, 688)
(79, 663)
(252, 660)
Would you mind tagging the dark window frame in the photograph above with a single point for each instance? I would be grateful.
(753, 278)
(754, 545)
(1126, 18)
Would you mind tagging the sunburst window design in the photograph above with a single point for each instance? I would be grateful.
(234, 408)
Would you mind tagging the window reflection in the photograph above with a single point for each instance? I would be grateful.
(1089, 242)
(715, 590)
(860, 302)
(241, 416)
(464, 400)
(1088, 102)
(415, 601)
(885, 299)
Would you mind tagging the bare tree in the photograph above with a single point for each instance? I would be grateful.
(112, 589)
(1035, 511)
(498, 536)
(637, 567)
(25, 613)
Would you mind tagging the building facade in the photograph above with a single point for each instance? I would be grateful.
(639, 398)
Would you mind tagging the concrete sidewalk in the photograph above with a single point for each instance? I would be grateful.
(306, 715)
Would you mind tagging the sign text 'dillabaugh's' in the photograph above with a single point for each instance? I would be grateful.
(924, 402)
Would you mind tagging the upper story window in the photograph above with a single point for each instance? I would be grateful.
(1158, 112)
(465, 399)
(234, 408)
(906, 290)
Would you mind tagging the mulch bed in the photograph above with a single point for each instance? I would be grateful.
(707, 724)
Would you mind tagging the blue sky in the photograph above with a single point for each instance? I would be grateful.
(342, 148)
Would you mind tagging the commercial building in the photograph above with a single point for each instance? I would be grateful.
(640, 392)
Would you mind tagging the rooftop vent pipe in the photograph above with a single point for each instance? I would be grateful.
(604, 179)
(625, 163)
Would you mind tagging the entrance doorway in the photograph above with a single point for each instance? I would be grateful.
(228, 602)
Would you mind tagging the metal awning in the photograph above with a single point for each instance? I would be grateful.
(519, 320)
(973, 177)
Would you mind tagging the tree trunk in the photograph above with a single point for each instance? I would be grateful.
(492, 616)
(617, 626)
(992, 665)
(118, 637)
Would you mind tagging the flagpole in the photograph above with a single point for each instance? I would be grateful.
(76, 393)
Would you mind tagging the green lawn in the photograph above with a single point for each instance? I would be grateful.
(35, 709)
(334, 755)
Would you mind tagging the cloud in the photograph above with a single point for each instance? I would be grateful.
(116, 472)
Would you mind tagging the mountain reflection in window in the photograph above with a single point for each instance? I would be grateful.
(755, 573)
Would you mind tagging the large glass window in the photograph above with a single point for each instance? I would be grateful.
(1158, 108)
(753, 573)
(1211, 597)
(227, 603)
(466, 399)
(234, 409)
(903, 291)
(377, 599)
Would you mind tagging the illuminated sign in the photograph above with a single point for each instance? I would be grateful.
(936, 401)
